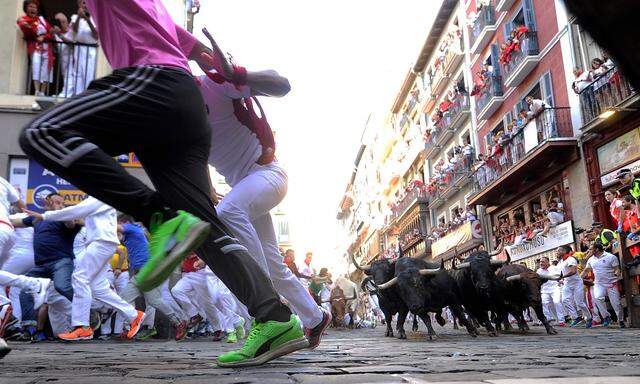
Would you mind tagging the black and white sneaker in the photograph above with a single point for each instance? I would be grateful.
(314, 335)
(4, 348)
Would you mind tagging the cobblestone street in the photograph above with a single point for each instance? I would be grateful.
(359, 356)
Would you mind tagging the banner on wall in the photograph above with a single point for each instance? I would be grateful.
(35, 183)
(562, 234)
(457, 238)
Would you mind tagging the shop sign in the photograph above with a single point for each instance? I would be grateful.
(561, 234)
(464, 233)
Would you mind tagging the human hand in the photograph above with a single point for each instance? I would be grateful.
(218, 60)
(81, 13)
(38, 216)
(56, 30)
(117, 272)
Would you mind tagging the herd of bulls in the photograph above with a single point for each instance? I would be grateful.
(474, 288)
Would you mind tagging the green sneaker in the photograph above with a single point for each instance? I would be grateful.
(266, 342)
(232, 337)
(240, 329)
(146, 334)
(171, 241)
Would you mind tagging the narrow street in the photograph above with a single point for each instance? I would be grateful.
(359, 356)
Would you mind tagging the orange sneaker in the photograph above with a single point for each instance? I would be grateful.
(80, 333)
(135, 325)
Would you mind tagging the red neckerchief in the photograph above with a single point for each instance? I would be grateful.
(567, 255)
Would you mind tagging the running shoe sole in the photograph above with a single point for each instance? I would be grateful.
(284, 349)
(78, 338)
(196, 236)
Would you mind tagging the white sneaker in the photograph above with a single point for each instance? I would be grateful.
(4, 348)
(38, 297)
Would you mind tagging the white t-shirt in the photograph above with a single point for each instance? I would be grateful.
(8, 196)
(603, 268)
(22, 239)
(306, 270)
(65, 50)
(234, 147)
(555, 218)
(84, 31)
(564, 266)
(550, 286)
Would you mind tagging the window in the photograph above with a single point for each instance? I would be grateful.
(453, 210)
(584, 47)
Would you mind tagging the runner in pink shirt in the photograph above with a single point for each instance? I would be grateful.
(152, 106)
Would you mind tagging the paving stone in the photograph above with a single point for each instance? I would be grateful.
(351, 379)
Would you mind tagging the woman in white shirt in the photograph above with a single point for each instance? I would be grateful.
(86, 35)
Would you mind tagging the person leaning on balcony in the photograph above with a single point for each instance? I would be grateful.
(37, 33)
(581, 81)
(536, 106)
(597, 68)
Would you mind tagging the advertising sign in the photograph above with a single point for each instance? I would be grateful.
(35, 183)
(457, 238)
(561, 234)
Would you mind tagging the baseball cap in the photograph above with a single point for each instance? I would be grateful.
(622, 172)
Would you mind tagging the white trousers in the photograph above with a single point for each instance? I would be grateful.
(553, 301)
(187, 291)
(245, 211)
(19, 262)
(85, 67)
(228, 312)
(68, 73)
(600, 291)
(89, 281)
(30, 284)
(117, 284)
(573, 299)
(40, 67)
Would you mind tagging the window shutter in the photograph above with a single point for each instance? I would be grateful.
(529, 14)
(495, 54)
(547, 89)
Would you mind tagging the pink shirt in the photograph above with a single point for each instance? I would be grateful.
(140, 32)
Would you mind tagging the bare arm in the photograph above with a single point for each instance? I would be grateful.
(572, 271)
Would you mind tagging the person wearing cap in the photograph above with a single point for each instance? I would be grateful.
(628, 181)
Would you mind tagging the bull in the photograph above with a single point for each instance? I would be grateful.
(380, 272)
(425, 288)
(476, 279)
(521, 290)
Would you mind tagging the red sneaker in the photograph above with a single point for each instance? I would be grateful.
(135, 325)
(80, 333)
(181, 330)
(315, 334)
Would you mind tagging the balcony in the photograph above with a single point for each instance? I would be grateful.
(416, 195)
(411, 105)
(611, 91)
(523, 61)
(504, 5)
(483, 29)
(404, 121)
(440, 79)
(456, 178)
(490, 98)
(451, 120)
(453, 57)
(533, 152)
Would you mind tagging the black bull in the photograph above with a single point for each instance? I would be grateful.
(426, 288)
(379, 273)
(476, 280)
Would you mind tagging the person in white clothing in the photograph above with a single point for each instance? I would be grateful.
(89, 278)
(573, 297)
(242, 150)
(86, 37)
(606, 269)
(305, 269)
(551, 292)
(64, 41)
(19, 261)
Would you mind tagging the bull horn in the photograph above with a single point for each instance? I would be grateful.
(466, 264)
(429, 272)
(514, 278)
(388, 284)
(364, 268)
(550, 276)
